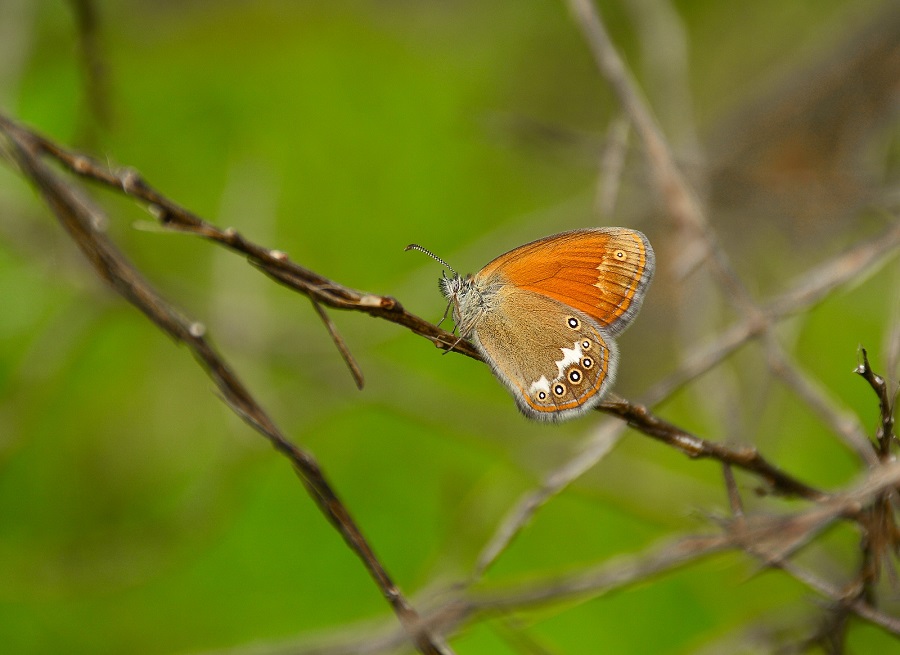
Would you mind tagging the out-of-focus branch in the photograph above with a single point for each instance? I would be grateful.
(685, 210)
(809, 289)
(83, 222)
(771, 540)
(95, 71)
(277, 265)
(80, 219)
(682, 203)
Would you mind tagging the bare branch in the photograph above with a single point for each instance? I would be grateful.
(884, 435)
(763, 537)
(686, 211)
(274, 263)
(346, 355)
(82, 221)
(95, 73)
(745, 457)
(597, 446)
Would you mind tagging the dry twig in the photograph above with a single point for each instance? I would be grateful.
(82, 221)
(772, 540)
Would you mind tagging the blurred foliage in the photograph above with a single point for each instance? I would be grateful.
(138, 515)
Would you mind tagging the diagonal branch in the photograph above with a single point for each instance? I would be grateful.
(277, 265)
(274, 263)
(81, 221)
(807, 290)
(768, 539)
(686, 211)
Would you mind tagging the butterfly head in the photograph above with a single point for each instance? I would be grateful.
(451, 285)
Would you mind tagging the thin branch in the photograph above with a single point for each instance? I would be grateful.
(686, 211)
(612, 163)
(274, 263)
(596, 447)
(761, 537)
(82, 222)
(742, 457)
(682, 203)
(805, 292)
(884, 435)
(341, 345)
(95, 73)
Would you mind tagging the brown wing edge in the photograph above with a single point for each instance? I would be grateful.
(637, 297)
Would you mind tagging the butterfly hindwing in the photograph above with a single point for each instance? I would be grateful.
(555, 359)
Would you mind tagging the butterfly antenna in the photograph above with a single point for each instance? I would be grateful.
(415, 246)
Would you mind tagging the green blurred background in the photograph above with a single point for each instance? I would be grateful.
(138, 515)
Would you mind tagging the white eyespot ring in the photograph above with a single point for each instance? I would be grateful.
(542, 395)
(559, 389)
(574, 376)
(573, 322)
(585, 345)
(587, 363)
(620, 255)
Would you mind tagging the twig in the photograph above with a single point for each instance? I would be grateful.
(806, 291)
(81, 220)
(92, 59)
(346, 355)
(756, 537)
(881, 535)
(596, 447)
(686, 211)
(743, 457)
(884, 434)
(274, 263)
(612, 162)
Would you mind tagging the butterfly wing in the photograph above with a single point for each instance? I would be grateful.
(602, 272)
(553, 358)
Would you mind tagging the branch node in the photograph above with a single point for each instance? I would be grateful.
(130, 179)
(81, 164)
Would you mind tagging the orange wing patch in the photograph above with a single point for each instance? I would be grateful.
(597, 271)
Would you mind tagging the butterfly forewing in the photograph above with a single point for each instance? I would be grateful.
(555, 366)
(603, 272)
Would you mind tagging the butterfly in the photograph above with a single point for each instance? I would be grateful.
(545, 315)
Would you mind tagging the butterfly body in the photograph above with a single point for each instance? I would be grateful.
(544, 315)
